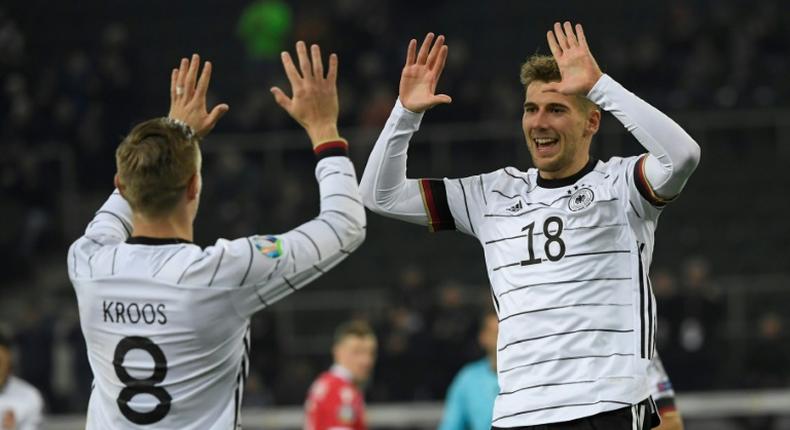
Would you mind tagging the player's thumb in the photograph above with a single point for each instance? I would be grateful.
(442, 99)
(281, 98)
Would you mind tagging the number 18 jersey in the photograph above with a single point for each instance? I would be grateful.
(568, 262)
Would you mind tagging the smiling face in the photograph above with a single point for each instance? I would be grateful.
(558, 129)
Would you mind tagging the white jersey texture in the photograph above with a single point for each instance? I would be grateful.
(167, 322)
(23, 400)
(567, 259)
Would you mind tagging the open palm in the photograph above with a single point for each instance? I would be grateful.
(421, 75)
(577, 66)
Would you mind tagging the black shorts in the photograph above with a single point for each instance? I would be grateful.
(642, 416)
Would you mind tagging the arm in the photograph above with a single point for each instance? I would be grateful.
(280, 265)
(673, 154)
(671, 421)
(384, 187)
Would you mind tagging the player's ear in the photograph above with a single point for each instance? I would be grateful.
(117, 182)
(193, 186)
(593, 121)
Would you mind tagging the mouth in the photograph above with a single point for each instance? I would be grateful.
(546, 145)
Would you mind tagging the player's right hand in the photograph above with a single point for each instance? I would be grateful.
(188, 96)
(421, 74)
(314, 104)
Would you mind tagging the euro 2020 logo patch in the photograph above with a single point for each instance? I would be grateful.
(580, 199)
(270, 246)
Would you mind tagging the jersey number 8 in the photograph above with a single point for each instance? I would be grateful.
(134, 386)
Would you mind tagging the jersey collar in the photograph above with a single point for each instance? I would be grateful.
(145, 240)
(570, 180)
(341, 372)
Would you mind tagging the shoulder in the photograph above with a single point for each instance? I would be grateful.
(471, 370)
(24, 390)
(617, 165)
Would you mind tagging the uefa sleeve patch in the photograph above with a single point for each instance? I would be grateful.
(270, 246)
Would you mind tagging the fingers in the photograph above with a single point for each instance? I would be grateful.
(556, 51)
(304, 61)
(202, 85)
(182, 75)
(411, 53)
(434, 54)
(290, 70)
(422, 56)
(189, 83)
(281, 98)
(318, 66)
(569, 35)
(580, 35)
(559, 33)
(332, 75)
(441, 99)
(441, 62)
(173, 83)
(217, 113)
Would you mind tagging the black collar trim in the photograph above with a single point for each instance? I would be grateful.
(145, 240)
(570, 180)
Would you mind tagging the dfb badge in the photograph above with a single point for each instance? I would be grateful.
(580, 199)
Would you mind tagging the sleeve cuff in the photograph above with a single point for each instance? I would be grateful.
(599, 91)
(331, 148)
(405, 113)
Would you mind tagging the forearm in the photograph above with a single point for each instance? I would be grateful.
(384, 187)
(671, 421)
(673, 154)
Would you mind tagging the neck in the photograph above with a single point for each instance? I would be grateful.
(173, 226)
(569, 170)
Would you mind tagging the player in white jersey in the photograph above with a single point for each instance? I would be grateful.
(567, 244)
(167, 322)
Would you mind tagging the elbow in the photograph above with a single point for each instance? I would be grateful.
(690, 159)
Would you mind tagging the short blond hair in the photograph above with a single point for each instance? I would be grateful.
(155, 162)
(353, 328)
(544, 68)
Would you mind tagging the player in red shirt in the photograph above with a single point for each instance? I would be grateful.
(335, 399)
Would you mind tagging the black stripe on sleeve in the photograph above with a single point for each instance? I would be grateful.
(483, 190)
(125, 227)
(315, 245)
(249, 265)
(331, 227)
(222, 254)
(643, 185)
(466, 204)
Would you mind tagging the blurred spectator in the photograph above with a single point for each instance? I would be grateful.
(21, 405)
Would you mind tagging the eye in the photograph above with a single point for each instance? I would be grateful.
(530, 109)
(556, 109)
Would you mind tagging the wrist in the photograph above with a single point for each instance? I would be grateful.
(331, 148)
(322, 133)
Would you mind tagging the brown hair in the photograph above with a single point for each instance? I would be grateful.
(155, 162)
(357, 328)
(544, 68)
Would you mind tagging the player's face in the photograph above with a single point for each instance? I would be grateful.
(558, 130)
(358, 355)
(5, 364)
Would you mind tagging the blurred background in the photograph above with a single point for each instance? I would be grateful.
(75, 77)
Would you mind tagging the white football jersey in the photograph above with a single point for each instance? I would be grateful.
(568, 261)
(167, 322)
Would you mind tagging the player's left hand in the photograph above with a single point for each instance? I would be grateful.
(577, 66)
(188, 96)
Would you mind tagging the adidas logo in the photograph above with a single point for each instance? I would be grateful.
(516, 207)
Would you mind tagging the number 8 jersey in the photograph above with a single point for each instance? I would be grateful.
(568, 261)
(166, 322)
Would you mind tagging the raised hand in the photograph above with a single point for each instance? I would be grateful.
(421, 74)
(577, 66)
(188, 97)
(314, 104)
